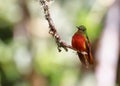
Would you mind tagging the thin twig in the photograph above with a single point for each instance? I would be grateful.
(53, 30)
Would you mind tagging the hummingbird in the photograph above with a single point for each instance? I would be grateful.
(80, 42)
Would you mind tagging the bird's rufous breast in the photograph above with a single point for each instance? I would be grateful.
(78, 42)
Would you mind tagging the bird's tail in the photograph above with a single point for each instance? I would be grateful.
(86, 59)
(91, 60)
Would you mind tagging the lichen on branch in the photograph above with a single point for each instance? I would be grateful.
(53, 31)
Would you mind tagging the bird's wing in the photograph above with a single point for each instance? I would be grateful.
(88, 50)
(87, 43)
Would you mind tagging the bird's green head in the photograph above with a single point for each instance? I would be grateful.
(81, 28)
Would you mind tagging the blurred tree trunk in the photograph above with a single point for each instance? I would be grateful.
(22, 35)
(118, 72)
(108, 51)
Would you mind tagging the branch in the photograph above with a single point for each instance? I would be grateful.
(53, 31)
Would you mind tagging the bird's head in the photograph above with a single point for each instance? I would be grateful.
(81, 28)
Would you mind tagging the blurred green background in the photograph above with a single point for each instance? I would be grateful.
(28, 53)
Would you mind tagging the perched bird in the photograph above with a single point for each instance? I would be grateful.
(81, 43)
